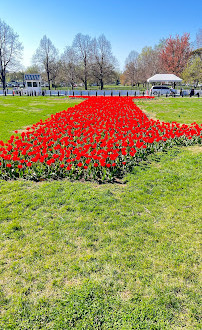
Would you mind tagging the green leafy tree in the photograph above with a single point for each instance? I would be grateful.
(193, 71)
(33, 69)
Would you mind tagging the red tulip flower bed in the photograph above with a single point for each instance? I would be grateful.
(100, 139)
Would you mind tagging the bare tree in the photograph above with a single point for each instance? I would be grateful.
(149, 63)
(46, 56)
(131, 68)
(69, 66)
(139, 67)
(199, 39)
(10, 50)
(55, 69)
(82, 45)
(103, 62)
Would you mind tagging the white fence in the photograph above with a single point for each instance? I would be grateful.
(89, 92)
(92, 92)
(74, 92)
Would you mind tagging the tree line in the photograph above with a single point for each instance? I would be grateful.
(86, 60)
(91, 61)
(172, 55)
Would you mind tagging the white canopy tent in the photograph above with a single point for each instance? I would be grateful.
(164, 78)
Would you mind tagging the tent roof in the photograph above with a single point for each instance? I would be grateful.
(164, 78)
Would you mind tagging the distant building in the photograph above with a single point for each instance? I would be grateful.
(32, 83)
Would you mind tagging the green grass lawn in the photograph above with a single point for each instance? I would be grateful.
(183, 110)
(18, 112)
(78, 255)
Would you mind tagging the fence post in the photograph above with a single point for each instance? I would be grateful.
(104, 93)
(119, 93)
(135, 93)
(127, 93)
(73, 93)
(58, 93)
(96, 93)
(5, 93)
(111, 93)
(143, 93)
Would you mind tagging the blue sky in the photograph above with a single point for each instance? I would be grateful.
(127, 24)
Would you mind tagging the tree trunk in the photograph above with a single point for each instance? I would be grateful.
(86, 85)
(101, 84)
(3, 73)
(48, 75)
(49, 83)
